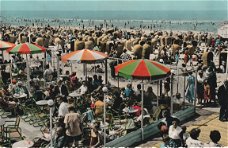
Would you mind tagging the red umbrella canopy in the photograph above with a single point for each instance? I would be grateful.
(5, 45)
(84, 56)
(142, 69)
(26, 48)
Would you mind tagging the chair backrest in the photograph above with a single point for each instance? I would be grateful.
(17, 122)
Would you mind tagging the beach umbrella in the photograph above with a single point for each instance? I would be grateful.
(85, 56)
(5, 45)
(26, 48)
(142, 69)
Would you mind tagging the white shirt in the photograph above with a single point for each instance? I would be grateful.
(83, 89)
(193, 143)
(174, 133)
(63, 109)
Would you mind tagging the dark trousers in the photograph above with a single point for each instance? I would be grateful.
(223, 115)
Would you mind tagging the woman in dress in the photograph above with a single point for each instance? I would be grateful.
(190, 94)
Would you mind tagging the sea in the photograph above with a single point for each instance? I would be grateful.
(206, 21)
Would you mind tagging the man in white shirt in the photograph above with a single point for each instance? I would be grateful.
(63, 107)
(83, 89)
(174, 132)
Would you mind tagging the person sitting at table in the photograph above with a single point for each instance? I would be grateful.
(99, 104)
(95, 82)
(73, 80)
(9, 104)
(4, 92)
(70, 101)
(59, 140)
(63, 88)
(128, 92)
(100, 80)
(12, 85)
(99, 69)
(20, 89)
(95, 136)
(83, 89)
(63, 106)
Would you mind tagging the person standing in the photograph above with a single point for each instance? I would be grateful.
(223, 101)
(190, 94)
(200, 88)
(73, 130)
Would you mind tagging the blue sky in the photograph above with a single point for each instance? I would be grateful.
(113, 5)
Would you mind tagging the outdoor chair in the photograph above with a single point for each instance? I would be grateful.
(12, 130)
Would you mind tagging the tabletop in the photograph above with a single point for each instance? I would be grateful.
(130, 110)
(42, 102)
(19, 96)
(23, 143)
(74, 94)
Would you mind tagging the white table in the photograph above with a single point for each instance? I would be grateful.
(42, 102)
(74, 94)
(19, 96)
(130, 110)
(23, 143)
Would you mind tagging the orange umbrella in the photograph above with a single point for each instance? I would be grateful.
(84, 56)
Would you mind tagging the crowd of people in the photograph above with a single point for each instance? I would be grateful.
(85, 111)
(175, 135)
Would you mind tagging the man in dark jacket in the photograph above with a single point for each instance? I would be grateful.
(223, 101)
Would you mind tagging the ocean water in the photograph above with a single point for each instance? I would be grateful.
(123, 15)
(169, 20)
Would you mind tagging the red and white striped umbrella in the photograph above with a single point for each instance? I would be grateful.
(84, 56)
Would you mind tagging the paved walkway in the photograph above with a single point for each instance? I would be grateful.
(207, 120)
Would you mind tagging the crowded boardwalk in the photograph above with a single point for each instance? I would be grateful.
(80, 84)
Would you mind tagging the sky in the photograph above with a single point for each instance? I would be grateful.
(113, 5)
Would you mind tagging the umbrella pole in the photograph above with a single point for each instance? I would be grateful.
(71, 67)
(86, 72)
(58, 67)
(11, 68)
(142, 109)
(157, 91)
(106, 71)
(195, 90)
(118, 81)
(171, 83)
(184, 92)
(28, 75)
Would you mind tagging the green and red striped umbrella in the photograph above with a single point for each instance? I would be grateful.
(142, 69)
(5, 45)
(26, 48)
